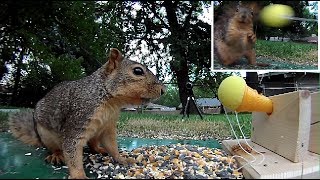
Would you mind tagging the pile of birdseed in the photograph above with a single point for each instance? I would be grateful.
(173, 161)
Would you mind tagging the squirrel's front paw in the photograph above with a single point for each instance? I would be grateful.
(56, 158)
(252, 37)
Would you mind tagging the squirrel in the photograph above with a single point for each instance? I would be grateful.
(85, 112)
(234, 36)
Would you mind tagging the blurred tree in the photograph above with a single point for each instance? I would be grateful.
(68, 39)
(175, 35)
(311, 13)
(65, 40)
(171, 97)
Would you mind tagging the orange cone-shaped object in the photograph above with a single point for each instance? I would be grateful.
(253, 101)
(234, 93)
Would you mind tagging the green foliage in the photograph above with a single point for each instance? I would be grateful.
(34, 85)
(311, 26)
(66, 68)
(50, 42)
(170, 98)
(298, 52)
(209, 83)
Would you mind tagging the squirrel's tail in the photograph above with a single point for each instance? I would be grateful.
(21, 125)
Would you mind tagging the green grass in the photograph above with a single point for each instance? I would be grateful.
(290, 51)
(212, 126)
(4, 121)
(152, 125)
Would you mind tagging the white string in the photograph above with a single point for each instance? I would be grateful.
(298, 19)
(234, 133)
(247, 141)
(301, 155)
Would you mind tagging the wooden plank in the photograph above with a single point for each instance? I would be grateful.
(274, 166)
(286, 130)
(314, 144)
(315, 107)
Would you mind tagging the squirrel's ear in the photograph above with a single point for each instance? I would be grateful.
(115, 57)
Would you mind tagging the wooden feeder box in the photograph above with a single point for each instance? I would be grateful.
(288, 138)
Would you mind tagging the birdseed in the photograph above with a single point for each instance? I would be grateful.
(174, 161)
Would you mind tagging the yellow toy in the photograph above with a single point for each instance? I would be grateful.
(234, 94)
(276, 15)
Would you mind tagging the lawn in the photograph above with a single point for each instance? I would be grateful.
(279, 55)
(155, 126)
(299, 53)
(172, 126)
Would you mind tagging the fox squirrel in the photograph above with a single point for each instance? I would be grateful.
(234, 36)
(85, 112)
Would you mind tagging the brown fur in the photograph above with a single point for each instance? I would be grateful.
(234, 36)
(86, 111)
(22, 127)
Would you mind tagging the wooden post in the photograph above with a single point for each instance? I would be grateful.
(314, 143)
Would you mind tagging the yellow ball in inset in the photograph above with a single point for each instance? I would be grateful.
(231, 91)
(272, 15)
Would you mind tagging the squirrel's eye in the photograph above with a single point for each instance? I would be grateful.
(252, 13)
(138, 71)
(237, 9)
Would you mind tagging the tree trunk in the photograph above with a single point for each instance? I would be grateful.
(182, 79)
(222, 109)
(17, 78)
(3, 69)
(179, 51)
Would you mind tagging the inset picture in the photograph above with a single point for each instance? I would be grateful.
(264, 35)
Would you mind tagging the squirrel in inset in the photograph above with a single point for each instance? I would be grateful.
(234, 36)
(85, 112)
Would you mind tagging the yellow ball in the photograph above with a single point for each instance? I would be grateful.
(231, 91)
(271, 15)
